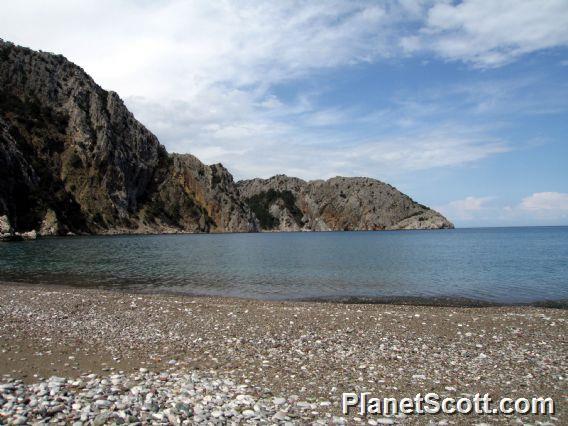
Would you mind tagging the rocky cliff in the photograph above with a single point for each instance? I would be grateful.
(285, 203)
(73, 159)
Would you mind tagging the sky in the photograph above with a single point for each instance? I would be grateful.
(463, 105)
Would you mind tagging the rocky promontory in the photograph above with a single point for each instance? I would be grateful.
(74, 160)
(285, 203)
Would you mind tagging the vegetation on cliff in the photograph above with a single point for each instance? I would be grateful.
(260, 204)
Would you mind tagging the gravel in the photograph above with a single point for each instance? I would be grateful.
(97, 357)
(145, 397)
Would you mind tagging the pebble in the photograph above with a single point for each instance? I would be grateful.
(279, 373)
(145, 397)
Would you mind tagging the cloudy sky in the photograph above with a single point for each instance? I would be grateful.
(463, 105)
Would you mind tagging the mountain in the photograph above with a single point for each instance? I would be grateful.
(285, 203)
(74, 160)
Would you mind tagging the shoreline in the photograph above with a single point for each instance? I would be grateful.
(34, 234)
(124, 233)
(307, 353)
(417, 301)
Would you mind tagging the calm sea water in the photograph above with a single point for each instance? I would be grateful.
(504, 265)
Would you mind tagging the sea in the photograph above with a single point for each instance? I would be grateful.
(478, 266)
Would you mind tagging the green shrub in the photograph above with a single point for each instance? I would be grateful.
(260, 205)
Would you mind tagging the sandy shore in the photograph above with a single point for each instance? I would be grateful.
(306, 354)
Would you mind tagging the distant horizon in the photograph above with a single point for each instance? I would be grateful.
(511, 226)
(461, 105)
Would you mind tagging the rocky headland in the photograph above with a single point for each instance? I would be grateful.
(74, 160)
(284, 203)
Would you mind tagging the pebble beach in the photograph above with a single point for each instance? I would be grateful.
(87, 356)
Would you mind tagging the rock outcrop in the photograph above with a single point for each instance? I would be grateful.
(285, 203)
(74, 160)
(50, 225)
(7, 233)
(201, 198)
(5, 227)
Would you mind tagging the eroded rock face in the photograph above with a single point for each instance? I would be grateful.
(18, 182)
(74, 160)
(7, 232)
(5, 227)
(50, 225)
(72, 150)
(290, 204)
(202, 198)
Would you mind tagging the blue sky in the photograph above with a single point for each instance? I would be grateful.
(463, 105)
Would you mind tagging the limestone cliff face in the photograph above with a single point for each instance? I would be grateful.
(74, 159)
(204, 198)
(290, 204)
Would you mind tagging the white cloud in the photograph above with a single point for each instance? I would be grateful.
(538, 208)
(252, 142)
(546, 203)
(467, 209)
(201, 74)
(490, 33)
(178, 48)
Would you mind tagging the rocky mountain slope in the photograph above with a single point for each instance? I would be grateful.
(73, 159)
(285, 203)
